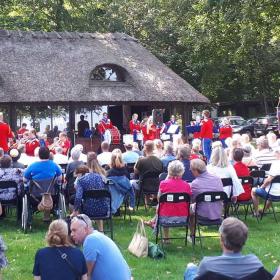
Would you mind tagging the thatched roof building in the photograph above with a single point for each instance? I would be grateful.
(51, 66)
(65, 67)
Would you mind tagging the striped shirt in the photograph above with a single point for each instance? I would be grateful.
(265, 156)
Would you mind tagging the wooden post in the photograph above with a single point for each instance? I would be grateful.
(126, 116)
(186, 116)
(12, 116)
(72, 122)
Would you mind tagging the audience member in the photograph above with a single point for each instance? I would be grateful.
(117, 166)
(196, 149)
(272, 140)
(158, 151)
(76, 162)
(135, 148)
(241, 171)
(59, 157)
(103, 257)
(248, 159)
(94, 165)
(15, 155)
(264, 155)
(65, 143)
(59, 260)
(105, 157)
(205, 182)
(97, 207)
(183, 154)
(173, 184)
(1, 152)
(233, 236)
(264, 188)
(220, 166)
(32, 143)
(245, 142)
(168, 155)
(83, 157)
(129, 156)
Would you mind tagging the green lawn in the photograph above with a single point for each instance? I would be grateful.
(264, 240)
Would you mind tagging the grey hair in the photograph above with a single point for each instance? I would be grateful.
(176, 169)
(219, 157)
(75, 154)
(169, 148)
(183, 152)
(84, 221)
(234, 234)
(58, 150)
(198, 165)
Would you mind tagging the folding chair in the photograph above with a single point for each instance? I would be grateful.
(208, 197)
(245, 203)
(151, 179)
(173, 198)
(276, 180)
(63, 167)
(227, 182)
(266, 167)
(130, 169)
(14, 202)
(258, 177)
(162, 176)
(99, 194)
(253, 168)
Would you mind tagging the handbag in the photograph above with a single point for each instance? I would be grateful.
(46, 203)
(154, 251)
(139, 243)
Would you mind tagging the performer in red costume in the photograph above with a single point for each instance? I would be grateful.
(225, 131)
(151, 130)
(5, 134)
(134, 126)
(104, 124)
(206, 133)
(21, 131)
(32, 143)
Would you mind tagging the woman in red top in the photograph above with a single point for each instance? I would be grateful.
(225, 131)
(242, 171)
(172, 184)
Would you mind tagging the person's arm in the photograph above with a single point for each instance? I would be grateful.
(39, 278)
(90, 268)
(267, 181)
(277, 275)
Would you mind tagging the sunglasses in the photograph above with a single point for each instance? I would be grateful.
(80, 217)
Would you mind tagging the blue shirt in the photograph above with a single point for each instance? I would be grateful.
(130, 157)
(187, 176)
(40, 170)
(49, 264)
(109, 262)
(166, 159)
(231, 264)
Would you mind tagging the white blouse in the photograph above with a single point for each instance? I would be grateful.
(227, 172)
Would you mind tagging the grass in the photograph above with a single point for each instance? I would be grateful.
(264, 240)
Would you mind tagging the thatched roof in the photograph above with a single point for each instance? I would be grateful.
(53, 66)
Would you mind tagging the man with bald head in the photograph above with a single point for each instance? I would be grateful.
(5, 133)
(103, 257)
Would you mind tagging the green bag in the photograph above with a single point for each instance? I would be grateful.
(154, 251)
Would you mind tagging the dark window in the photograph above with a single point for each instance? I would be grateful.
(109, 72)
(1, 81)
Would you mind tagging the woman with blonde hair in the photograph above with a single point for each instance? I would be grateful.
(220, 166)
(94, 165)
(117, 166)
(59, 260)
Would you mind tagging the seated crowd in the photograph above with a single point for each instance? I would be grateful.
(157, 169)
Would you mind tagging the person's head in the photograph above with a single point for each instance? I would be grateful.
(196, 145)
(79, 147)
(105, 146)
(57, 234)
(183, 152)
(197, 167)
(75, 154)
(235, 143)
(63, 136)
(32, 133)
(172, 118)
(1, 152)
(44, 153)
(175, 169)
(234, 234)
(105, 115)
(48, 128)
(14, 154)
(150, 120)
(128, 146)
(135, 146)
(168, 148)
(219, 157)
(135, 117)
(238, 154)
(6, 161)
(272, 138)
(262, 143)
(82, 117)
(81, 227)
(149, 147)
(21, 148)
(24, 125)
(81, 170)
(93, 164)
(206, 114)
(158, 144)
(116, 159)
(247, 150)
(58, 150)
(225, 121)
(245, 139)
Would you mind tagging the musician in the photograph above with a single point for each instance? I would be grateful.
(197, 122)
(5, 134)
(83, 125)
(64, 143)
(225, 131)
(32, 143)
(151, 129)
(104, 124)
(134, 127)
(167, 125)
(21, 131)
(206, 133)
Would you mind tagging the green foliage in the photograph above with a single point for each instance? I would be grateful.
(227, 49)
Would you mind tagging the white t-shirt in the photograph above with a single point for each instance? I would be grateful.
(274, 171)
(104, 158)
(227, 172)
